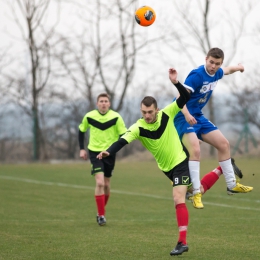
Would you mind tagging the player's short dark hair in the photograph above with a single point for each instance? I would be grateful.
(148, 101)
(216, 53)
(103, 95)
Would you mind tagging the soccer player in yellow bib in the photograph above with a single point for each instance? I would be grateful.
(157, 133)
(106, 126)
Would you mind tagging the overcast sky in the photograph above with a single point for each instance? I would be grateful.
(248, 48)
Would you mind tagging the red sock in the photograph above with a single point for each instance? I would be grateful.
(210, 179)
(182, 216)
(100, 201)
(106, 198)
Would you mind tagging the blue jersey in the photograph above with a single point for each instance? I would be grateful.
(201, 84)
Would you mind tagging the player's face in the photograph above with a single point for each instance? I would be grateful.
(149, 113)
(213, 64)
(103, 105)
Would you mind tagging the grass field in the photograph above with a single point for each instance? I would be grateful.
(48, 212)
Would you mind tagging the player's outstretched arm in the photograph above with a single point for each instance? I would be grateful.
(184, 93)
(113, 149)
(232, 69)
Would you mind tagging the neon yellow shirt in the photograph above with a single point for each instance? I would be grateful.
(160, 138)
(104, 129)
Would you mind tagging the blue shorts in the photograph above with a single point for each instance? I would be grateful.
(203, 126)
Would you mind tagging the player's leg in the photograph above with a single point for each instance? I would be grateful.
(99, 193)
(217, 139)
(107, 189)
(100, 198)
(210, 179)
(98, 172)
(192, 143)
(181, 180)
(182, 217)
(109, 165)
(207, 182)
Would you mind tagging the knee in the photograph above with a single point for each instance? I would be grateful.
(100, 184)
(224, 145)
(179, 198)
(194, 151)
(107, 186)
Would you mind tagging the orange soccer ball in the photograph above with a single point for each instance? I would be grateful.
(145, 16)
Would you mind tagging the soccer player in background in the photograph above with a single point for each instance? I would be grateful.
(156, 131)
(106, 126)
(192, 125)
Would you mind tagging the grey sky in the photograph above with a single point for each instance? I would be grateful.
(248, 47)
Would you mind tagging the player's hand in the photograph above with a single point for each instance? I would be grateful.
(83, 154)
(173, 75)
(103, 155)
(190, 119)
(241, 67)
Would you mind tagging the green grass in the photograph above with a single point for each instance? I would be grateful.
(48, 212)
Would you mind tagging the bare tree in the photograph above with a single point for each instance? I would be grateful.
(27, 89)
(103, 51)
(244, 110)
(197, 32)
(99, 59)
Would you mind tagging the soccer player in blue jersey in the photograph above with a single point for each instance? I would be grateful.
(193, 126)
(106, 126)
(157, 134)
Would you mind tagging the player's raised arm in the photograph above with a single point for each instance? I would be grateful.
(184, 93)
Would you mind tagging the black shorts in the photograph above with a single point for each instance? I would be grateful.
(180, 174)
(105, 165)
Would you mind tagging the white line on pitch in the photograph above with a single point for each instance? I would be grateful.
(116, 191)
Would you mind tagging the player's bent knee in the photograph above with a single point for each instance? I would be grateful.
(194, 153)
(224, 146)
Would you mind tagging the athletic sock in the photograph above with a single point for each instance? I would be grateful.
(194, 168)
(106, 198)
(100, 201)
(182, 216)
(228, 173)
(210, 178)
